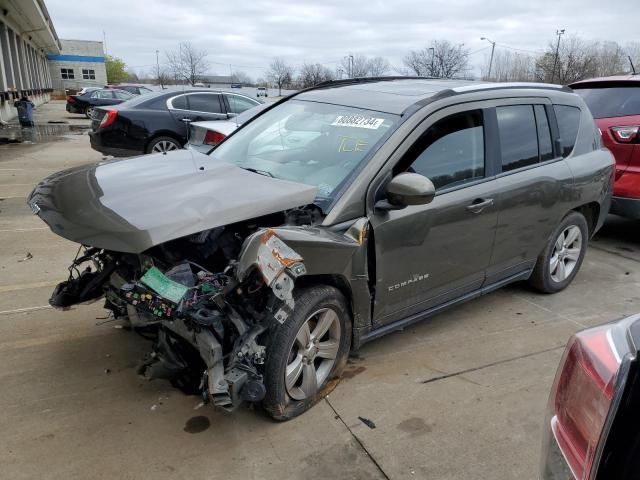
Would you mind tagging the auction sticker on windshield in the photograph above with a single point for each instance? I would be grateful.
(358, 121)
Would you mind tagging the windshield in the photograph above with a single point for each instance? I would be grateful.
(308, 142)
(611, 102)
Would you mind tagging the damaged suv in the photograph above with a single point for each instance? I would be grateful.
(339, 214)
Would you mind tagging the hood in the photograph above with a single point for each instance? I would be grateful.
(134, 204)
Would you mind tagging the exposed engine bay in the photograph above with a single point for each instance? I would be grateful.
(206, 300)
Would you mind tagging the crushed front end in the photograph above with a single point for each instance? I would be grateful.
(208, 314)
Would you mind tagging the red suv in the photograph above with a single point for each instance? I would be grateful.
(615, 104)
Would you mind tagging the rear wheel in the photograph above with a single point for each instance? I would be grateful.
(88, 112)
(163, 145)
(561, 259)
(306, 352)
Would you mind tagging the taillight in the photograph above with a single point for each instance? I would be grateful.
(109, 118)
(70, 99)
(584, 400)
(213, 138)
(630, 134)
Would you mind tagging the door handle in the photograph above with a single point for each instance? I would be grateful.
(479, 204)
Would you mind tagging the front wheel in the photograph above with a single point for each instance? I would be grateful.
(306, 352)
(561, 259)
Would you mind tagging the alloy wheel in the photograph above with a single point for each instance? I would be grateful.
(565, 254)
(313, 354)
(164, 146)
(89, 112)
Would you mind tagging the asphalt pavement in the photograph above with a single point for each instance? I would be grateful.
(459, 396)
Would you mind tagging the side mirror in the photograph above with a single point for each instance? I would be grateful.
(407, 189)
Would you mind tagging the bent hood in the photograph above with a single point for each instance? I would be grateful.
(134, 204)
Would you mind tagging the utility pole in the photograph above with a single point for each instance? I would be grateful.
(158, 68)
(559, 33)
(493, 47)
(433, 54)
(350, 66)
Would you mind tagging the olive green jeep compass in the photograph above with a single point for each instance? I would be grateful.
(339, 214)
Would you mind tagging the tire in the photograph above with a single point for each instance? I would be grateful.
(163, 145)
(88, 112)
(560, 261)
(314, 306)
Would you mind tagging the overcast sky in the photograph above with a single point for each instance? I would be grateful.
(249, 33)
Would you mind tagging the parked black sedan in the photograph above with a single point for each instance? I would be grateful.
(158, 122)
(86, 103)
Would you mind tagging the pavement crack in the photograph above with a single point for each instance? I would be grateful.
(613, 252)
(492, 364)
(359, 442)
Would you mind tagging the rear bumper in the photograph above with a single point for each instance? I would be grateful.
(626, 207)
(96, 140)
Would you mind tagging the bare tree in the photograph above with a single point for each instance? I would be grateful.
(420, 63)
(442, 59)
(280, 73)
(378, 66)
(450, 60)
(241, 78)
(358, 66)
(313, 74)
(576, 60)
(355, 66)
(610, 59)
(510, 67)
(188, 64)
(164, 77)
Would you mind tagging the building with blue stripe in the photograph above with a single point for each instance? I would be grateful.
(80, 63)
(35, 63)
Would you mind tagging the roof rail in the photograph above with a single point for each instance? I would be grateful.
(356, 80)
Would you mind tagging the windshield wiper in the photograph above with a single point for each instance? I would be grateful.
(260, 172)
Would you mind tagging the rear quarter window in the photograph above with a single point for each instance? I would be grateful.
(568, 119)
(180, 102)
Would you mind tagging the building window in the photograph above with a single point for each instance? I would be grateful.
(67, 73)
(88, 74)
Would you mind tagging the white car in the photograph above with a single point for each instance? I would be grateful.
(203, 136)
(262, 92)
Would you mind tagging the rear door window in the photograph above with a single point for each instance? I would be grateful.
(568, 123)
(544, 133)
(205, 102)
(518, 136)
(450, 152)
(238, 104)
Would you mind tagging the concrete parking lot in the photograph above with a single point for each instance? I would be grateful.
(459, 396)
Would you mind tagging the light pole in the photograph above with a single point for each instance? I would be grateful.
(493, 47)
(351, 66)
(559, 33)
